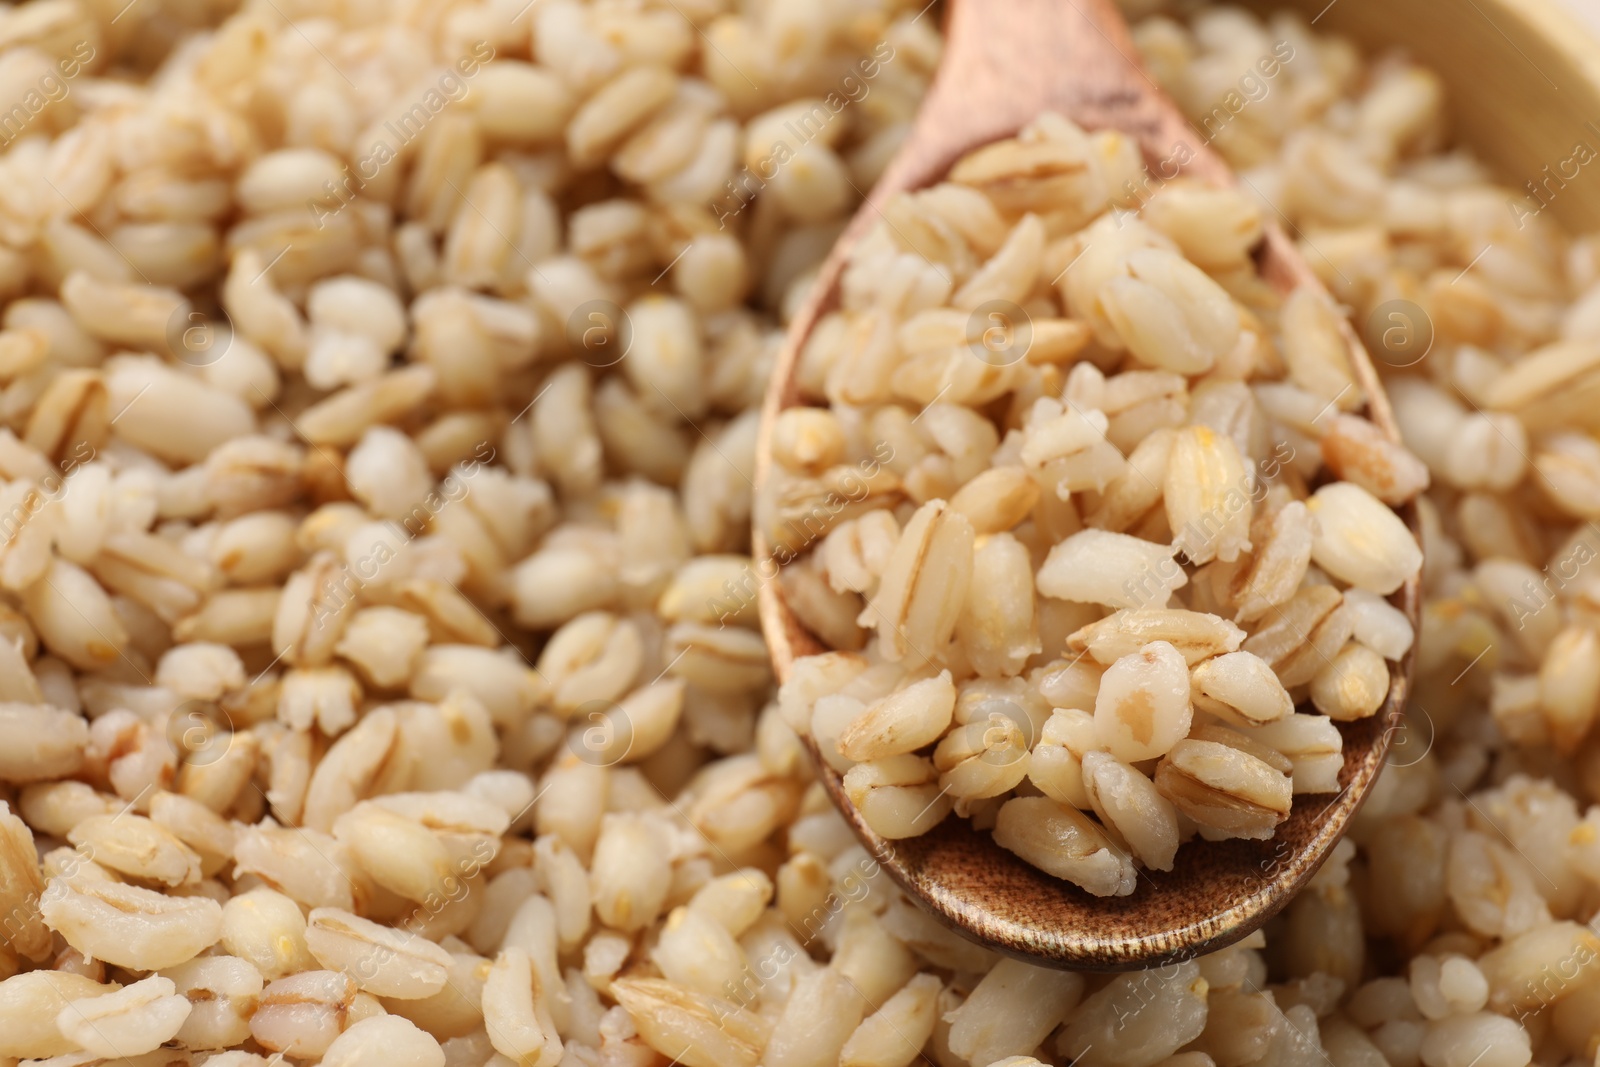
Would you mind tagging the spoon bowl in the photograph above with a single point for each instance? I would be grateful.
(1005, 62)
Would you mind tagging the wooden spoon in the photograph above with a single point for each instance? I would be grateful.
(1005, 61)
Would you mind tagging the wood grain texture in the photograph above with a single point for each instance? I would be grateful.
(1006, 60)
(1586, 12)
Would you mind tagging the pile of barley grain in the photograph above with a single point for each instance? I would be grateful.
(381, 683)
(1131, 410)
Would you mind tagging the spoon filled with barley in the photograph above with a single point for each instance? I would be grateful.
(1094, 575)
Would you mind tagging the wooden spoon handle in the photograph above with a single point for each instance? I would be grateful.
(1006, 61)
